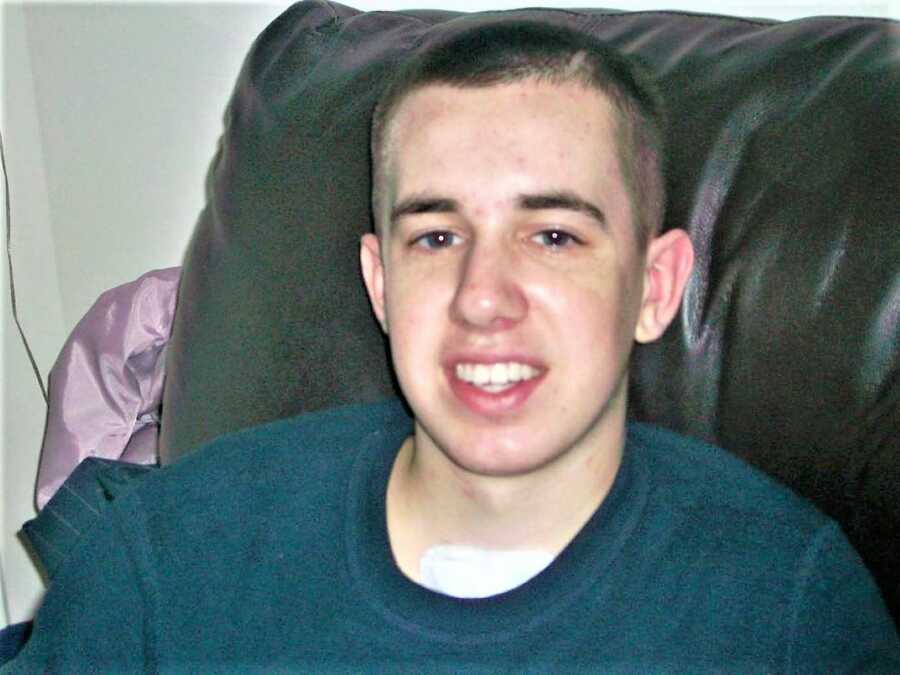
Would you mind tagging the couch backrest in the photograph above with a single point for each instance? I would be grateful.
(785, 170)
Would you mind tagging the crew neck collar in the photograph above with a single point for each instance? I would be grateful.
(582, 564)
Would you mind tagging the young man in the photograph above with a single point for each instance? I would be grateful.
(518, 196)
(516, 523)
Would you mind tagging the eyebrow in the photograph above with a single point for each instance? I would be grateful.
(560, 199)
(423, 204)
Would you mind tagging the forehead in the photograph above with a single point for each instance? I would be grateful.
(530, 102)
(525, 136)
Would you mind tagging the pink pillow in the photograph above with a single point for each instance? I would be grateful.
(106, 384)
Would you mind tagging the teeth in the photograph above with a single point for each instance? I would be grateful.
(494, 377)
(482, 374)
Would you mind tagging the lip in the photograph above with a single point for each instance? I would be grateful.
(488, 404)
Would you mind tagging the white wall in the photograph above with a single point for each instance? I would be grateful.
(38, 286)
(110, 113)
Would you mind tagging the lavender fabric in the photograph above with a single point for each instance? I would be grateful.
(106, 384)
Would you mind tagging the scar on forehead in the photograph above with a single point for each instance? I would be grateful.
(576, 63)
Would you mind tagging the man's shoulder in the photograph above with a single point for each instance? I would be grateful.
(748, 557)
(293, 439)
(707, 482)
(254, 479)
(277, 455)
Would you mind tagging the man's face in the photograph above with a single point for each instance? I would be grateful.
(511, 281)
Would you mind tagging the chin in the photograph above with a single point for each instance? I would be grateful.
(503, 459)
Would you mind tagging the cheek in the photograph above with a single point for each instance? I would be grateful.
(416, 286)
(414, 315)
(589, 311)
(578, 291)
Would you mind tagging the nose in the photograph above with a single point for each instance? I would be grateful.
(489, 293)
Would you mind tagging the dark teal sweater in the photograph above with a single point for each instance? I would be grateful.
(268, 551)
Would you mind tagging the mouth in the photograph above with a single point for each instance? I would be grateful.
(496, 388)
(495, 377)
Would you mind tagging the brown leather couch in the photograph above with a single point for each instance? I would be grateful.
(784, 167)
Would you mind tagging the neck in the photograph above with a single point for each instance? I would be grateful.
(432, 501)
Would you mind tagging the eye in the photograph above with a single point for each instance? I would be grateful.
(436, 240)
(556, 239)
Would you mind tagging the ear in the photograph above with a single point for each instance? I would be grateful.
(373, 275)
(667, 267)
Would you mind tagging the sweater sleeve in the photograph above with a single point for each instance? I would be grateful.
(97, 615)
(839, 622)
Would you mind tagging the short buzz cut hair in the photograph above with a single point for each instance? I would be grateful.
(512, 51)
